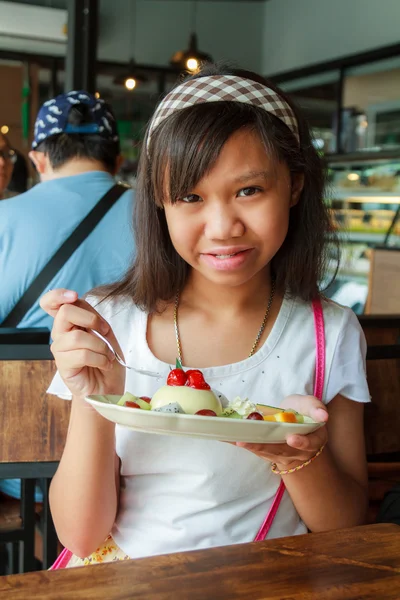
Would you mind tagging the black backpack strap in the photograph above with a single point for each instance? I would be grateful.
(61, 256)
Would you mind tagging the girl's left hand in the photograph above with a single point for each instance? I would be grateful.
(298, 448)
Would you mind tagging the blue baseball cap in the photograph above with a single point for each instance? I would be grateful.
(53, 117)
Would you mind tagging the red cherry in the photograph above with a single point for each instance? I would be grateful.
(195, 379)
(131, 404)
(205, 412)
(145, 398)
(255, 416)
(176, 377)
(196, 371)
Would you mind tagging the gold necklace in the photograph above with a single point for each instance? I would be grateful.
(259, 334)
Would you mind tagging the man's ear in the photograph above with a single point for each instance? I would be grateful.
(118, 163)
(40, 161)
(297, 188)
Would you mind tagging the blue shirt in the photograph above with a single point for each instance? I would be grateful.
(33, 226)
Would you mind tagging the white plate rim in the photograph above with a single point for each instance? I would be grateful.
(286, 428)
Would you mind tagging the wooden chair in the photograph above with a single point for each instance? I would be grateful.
(32, 335)
(33, 428)
(382, 416)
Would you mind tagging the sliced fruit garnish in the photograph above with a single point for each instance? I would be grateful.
(286, 417)
(265, 409)
(205, 412)
(172, 407)
(282, 417)
(299, 417)
(229, 413)
(143, 404)
(255, 416)
(127, 397)
(131, 404)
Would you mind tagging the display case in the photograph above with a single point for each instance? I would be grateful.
(364, 196)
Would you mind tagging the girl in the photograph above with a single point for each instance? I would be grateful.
(230, 229)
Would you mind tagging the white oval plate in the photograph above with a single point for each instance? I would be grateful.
(211, 428)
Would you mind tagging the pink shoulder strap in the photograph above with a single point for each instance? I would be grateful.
(320, 349)
(318, 392)
(62, 561)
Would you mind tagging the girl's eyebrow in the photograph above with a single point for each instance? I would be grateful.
(252, 175)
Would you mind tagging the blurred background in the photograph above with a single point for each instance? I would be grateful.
(339, 59)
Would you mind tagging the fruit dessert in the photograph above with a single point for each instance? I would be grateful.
(190, 391)
(187, 392)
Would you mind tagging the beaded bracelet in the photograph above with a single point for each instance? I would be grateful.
(304, 464)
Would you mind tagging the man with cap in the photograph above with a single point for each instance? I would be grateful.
(76, 153)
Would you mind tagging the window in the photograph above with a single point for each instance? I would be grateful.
(371, 107)
(317, 96)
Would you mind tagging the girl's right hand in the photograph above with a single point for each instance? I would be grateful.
(85, 363)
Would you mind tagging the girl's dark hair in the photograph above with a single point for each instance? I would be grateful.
(63, 147)
(159, 271)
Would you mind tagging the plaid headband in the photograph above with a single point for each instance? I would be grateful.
(222, 88)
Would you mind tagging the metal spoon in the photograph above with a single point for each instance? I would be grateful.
(119, 359)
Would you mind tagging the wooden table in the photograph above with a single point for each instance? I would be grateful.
(351, 564)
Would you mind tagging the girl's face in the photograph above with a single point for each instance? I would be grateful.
(229, 227)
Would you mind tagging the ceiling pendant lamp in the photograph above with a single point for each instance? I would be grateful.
(191, 59)
(131, 76)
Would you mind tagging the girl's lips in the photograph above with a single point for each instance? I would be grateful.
(216, 251)
(230, 263)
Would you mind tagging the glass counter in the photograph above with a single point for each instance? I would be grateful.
(364, 198)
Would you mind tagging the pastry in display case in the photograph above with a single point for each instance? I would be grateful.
(364, 197)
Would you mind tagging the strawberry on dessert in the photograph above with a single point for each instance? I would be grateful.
(195, 380)
(189, 390)
(177, 377)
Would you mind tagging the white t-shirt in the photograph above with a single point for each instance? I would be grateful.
(182, 493)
